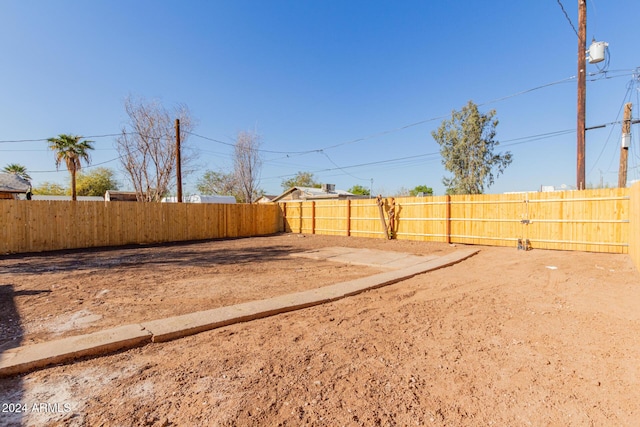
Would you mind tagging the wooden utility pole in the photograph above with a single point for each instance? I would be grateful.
(178, 162)
(624, 151)
(582, 91)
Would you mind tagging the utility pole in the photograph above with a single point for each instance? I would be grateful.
(178, 162)
(624, 146)
(582, 92)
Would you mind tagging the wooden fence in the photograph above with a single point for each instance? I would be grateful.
(634, 225)
(590, 220)
(605, 220)
(32, 226)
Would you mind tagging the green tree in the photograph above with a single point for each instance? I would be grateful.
(72, 150)
(467, 147)
(96, 182)
(50, 188)
(218, 183)
(17, 169)
(302, 179)
(359, 190)
(426, 191)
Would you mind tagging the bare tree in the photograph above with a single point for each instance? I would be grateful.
(147, 146)
(247, 165)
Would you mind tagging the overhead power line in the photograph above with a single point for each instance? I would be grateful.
(567, 16)
(424, 156)
(230, 144)
(599, 75)
(46, 139)
(400, 128)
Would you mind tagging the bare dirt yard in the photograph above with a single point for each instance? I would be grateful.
(503, 338)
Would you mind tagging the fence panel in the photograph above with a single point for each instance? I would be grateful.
(589, 220)
(420, 218)
(331, 217)
(33, 226)
(605, 220)
(634, 224)
(364, 220)
(487, 219)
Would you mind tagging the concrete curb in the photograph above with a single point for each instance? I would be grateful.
(32, 357)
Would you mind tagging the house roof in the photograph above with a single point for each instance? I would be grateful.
(12, 183)
(313, 193)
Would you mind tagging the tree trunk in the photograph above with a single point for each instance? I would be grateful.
(73, 185)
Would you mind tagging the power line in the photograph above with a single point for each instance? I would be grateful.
(47, 139)
(255, 149)
(604, 75)
(386, 132)
(510, 142)
(606, 144)
(336, 165)
(568, 19)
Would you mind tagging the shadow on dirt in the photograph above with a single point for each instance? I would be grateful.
(11, 335)
(172, 255)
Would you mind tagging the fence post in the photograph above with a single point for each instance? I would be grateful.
(301, 217)
(284, 217)
(348, 217)
(313, 217)
(448, 218)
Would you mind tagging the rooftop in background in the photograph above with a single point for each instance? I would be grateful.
(12, 183)
(13, 186)
(327, 191)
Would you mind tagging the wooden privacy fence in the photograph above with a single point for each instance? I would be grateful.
(605, 220)
(634, 224)
(589, 220)
(32, 226)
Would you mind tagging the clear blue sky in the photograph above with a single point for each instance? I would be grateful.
(311, 74)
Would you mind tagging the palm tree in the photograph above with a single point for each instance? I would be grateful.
(17, 169)
(72, 150)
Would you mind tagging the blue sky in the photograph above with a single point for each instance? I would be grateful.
(364, 81)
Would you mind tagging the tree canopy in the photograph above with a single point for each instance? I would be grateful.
(50, 188)
(71, 150)
(96, 182)
(359, 190)
(426, 191)
(302, 179)
(218, 183)
(467, 147)
(17, 169)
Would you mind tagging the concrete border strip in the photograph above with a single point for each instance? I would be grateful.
(36, 356)
(31, 357)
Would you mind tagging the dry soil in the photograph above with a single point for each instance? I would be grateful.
(504, 338)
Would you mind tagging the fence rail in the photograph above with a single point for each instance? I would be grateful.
(33, 226)
(590, 220)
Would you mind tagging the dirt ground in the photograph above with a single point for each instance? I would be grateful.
(504, 338)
